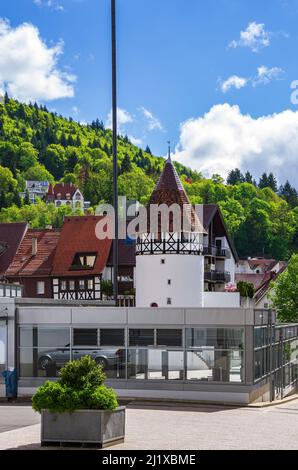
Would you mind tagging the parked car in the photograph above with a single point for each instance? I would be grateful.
(107, 358)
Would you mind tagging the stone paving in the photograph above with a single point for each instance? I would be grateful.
(158, 426)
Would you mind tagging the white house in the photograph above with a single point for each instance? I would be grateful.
(65, 194)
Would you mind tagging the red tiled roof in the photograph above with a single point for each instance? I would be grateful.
(78, 236)
(61, 188)
(264, 287)
(256, 279)
(11, 236)
(267, 263)
(26, 264)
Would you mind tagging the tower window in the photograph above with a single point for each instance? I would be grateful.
(163, 261)
(169, 301)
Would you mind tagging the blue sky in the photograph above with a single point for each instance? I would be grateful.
(183, 68)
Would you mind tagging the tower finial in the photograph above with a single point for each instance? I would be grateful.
(169, 151)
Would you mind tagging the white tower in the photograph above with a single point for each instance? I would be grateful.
(170, 263)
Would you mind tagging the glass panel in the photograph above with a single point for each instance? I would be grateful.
(90, 284)
(141, 337)
(2, 347)
(219, 338)
(85, 337)
(111, 359)
(261, 337)
(155, 364)
(82, 284)
(63, 285)
(71, 285)
(213, 365)
(111, 337)
(44, 337)
(36, 362)
(169, 338)
(90, 260)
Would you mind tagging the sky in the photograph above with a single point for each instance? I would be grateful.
(213, 77)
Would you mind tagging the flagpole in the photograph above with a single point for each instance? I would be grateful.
(115, 160)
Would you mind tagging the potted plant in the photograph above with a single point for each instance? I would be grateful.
(79, 408)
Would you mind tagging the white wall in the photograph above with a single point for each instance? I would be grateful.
(221, 299)
(186, 273)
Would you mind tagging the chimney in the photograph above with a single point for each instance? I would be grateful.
(34, 246)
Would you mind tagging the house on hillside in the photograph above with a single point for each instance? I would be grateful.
(32, 263)
(36, 189)
(65, 194)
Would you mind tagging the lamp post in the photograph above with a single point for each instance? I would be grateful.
(115, 160)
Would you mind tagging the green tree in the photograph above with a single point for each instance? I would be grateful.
(54, 160)
(8, 187)
(38, 173)
(126, 164)
(285, 293)
(263, 183)
(28, 156)
(235, 177)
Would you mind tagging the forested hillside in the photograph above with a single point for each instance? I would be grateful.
(36, 144)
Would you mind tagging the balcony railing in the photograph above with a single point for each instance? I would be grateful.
(216, 252)
(215, 276)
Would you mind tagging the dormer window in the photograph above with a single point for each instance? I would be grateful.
(58, 195)
(83, 261)
(68, 196)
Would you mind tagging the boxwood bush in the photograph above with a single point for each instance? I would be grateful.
(80, 387)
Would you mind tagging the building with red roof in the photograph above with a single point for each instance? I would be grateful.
(32, 263)
(65, 194)
(80, 260)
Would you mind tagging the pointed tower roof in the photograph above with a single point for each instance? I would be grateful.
(169, 191)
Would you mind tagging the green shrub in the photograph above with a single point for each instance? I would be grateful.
(82, 373)
(80, 387)
(246, 289)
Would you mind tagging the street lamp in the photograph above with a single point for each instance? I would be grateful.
(115, 160)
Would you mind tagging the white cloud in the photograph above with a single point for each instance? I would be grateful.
(135, 140)
(233, 82)
(224, 139)
(255, 37)
(29, 68)
(123, 118)
(266, 75)
(53, 4)
(153, 123)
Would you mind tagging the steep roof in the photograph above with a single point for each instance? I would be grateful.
(61, 188)
(169, 191)
(78, 236)
(212, 214)
(265, 286)
(11, 236)
(26, 264)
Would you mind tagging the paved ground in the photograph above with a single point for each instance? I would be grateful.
(176, 427)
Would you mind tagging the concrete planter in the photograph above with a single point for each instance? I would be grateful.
(86, 427)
